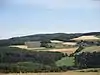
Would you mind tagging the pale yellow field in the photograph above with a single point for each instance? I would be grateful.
(19, 46)
(60, 73)
(64, 50)
(68, 50)
(25, 47)
(69, 43)
(86, 38)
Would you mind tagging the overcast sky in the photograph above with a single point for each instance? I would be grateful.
(25, 17)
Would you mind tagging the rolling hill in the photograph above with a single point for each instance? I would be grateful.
(42, 37)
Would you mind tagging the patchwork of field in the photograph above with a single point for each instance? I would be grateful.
(60, 73)
(63, 50)
(86, 38)
(67, 50)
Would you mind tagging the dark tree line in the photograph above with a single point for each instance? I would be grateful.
(48, 58)
(88, 60)
(13, 60)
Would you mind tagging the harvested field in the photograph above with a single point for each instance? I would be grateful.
(60, 73)
(68, 50)
(25, 47)
(64, 50)
(69, 43)
(19, 46)
(86, 38)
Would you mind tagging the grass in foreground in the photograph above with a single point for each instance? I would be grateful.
(60, 73)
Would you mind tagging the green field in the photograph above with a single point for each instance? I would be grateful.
(98, 36)
(91, 49)
(66, 61)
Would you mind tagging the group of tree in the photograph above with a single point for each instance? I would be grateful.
(88, 60)
(44, 57)
(40, 60)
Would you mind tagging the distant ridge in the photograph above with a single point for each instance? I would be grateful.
(42, 37)
(92, 33)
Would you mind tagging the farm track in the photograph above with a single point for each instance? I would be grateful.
(60, 73)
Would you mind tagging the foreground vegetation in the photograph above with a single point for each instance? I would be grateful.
(59, 73)
(16, 60)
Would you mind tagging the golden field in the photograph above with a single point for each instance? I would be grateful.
(86, 38)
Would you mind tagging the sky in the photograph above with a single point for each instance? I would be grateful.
(27, 17)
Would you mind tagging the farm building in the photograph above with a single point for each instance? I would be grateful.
(33, 44)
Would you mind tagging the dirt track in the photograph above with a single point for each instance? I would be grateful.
(63, 73)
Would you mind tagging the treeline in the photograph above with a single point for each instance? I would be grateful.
(38, 57)
(38, 37)
(44, 57)
(30, 67)
(92, 33)
(88, 60)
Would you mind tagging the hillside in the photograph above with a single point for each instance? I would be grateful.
(87, 38)
(42, 37)
(92, 33)
(16, 57)
(38, 37)
(91, 49)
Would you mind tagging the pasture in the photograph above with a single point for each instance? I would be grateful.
(91, 49)
(66, 61)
